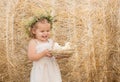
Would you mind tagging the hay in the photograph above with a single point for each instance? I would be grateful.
(92, 26)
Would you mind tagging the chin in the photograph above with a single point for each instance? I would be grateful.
(45, 39)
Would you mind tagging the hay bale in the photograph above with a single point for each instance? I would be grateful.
(92, 26)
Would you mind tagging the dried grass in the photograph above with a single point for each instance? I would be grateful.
(92, 26)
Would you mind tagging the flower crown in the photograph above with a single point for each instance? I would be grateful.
(35, 19)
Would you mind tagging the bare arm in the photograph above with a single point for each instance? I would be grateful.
(32, 55)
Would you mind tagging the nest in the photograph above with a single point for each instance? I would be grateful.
(63, 52)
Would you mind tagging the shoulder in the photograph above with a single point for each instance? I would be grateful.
(32, 42)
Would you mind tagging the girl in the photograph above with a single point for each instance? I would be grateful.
(45, 67)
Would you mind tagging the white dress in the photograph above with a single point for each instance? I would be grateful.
(45, 69)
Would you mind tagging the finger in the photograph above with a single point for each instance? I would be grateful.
(49, 54)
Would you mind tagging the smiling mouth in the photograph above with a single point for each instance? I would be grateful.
(44, 36)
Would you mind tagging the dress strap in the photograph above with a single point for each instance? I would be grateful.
(51, 43)
(36, 41)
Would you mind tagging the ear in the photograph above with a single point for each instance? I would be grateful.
(34, 30)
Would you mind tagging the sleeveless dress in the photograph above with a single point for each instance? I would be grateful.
(45, 69)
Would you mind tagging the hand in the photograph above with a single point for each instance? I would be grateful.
(47, 53)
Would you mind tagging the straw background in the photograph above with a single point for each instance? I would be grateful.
(92, 26)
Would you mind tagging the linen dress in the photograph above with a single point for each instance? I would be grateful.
(45, 69)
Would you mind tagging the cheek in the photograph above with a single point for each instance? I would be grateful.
(39, 33)
(48, 33)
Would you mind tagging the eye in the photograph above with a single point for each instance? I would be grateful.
(42, 31)
(48, 30)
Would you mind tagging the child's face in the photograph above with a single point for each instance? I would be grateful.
(42, 32)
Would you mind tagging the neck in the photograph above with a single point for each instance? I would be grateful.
(43, 41)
